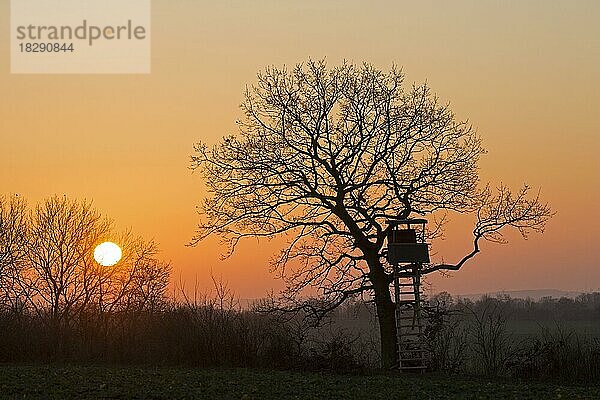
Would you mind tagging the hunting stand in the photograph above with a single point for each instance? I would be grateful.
(406, 253)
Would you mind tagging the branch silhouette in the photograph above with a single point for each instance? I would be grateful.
(324, 157)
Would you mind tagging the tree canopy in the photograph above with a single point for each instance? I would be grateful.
(324, 156)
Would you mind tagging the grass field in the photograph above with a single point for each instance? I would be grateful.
(96, 382)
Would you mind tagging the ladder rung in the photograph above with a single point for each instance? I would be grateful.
(414, 367)
(409, 326)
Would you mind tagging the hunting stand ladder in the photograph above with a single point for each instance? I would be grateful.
(407, 252)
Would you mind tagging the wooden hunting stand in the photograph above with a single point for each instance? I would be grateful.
(407, 252)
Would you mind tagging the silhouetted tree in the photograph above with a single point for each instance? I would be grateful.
(139, 281)
(47, 264)
(324, 157)
(13, 244)
(61, 273)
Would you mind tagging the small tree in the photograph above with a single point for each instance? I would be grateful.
(139, 281)
(61, 273)
(13, 244)
(324, 157)
(47, 264)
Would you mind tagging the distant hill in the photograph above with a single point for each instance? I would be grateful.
(523, 294)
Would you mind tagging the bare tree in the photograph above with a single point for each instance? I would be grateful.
(138, 282)
(143, 279)
(47, 265)
(13, 250)
(489, 336)
(324, 157)
(61, 272)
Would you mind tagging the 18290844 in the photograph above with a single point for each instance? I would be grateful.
(46, 47)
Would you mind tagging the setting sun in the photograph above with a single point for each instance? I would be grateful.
(107, 254)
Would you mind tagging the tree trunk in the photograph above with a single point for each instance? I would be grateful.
(385, 315)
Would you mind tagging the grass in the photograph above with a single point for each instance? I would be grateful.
(101, 382)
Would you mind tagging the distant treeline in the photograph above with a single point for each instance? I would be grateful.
(209, 331)
(495, 336)
(585, 306)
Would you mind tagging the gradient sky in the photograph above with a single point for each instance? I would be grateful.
(525, 73)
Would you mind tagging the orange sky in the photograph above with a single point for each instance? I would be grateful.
(528, 76)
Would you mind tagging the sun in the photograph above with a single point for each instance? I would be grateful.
(107, 254)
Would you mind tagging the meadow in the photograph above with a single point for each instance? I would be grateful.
(19, 381)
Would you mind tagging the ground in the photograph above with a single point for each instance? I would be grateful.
(100, 382)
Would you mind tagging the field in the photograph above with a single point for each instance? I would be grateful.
(99, 382)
